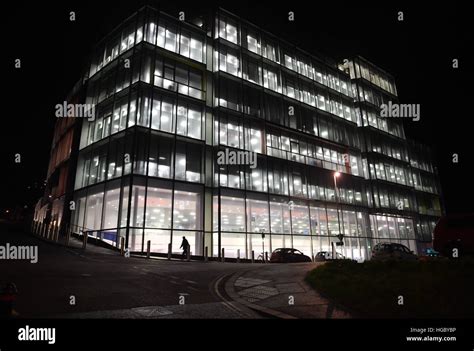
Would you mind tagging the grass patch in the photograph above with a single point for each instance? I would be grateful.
(430, 289)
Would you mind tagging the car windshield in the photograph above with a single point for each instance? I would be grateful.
(399, 247)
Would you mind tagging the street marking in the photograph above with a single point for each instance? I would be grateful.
(248, 282)
(203, 310)
(152, 311)
(259, 292)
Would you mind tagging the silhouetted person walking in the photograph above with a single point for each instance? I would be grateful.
(185, 247)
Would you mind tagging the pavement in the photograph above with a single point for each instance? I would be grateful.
(280, 291)
(69, 282)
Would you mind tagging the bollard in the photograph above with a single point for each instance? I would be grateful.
(188, 255)
(68, 236)
(223, 255)
(266, 256)
(169, 251)
(148, 248)
(238, 255)
(84, 240)
(253, 256)
(122, 246)
(205, 255)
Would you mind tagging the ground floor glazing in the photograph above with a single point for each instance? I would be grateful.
(162, 212)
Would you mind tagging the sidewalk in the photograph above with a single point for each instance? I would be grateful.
(279, 290)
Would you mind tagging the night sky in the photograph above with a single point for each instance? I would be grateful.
(418, 52)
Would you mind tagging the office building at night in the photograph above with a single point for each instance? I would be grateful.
(169, 95)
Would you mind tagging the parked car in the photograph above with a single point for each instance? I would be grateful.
(284, 255)
(392, 251)
(327, 256)
(454, 231)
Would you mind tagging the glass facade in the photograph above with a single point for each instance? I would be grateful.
(170, 95)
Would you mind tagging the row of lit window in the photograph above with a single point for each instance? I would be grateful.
(370, 118)
(165, 35)
(262, 104)
(275, 177)
(273, 79)
(159, 113)
(232, 133)
(153, 155)
(390, 173)
(152, 206)
(166, 74)
(387, 197)
(228, 30)
(262, 216)
(360, 69)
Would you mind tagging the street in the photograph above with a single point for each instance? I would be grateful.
(69, 282)
(100, 280)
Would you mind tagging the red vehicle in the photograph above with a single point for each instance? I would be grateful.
(456, 231)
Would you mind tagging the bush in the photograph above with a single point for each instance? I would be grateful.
(430, 289)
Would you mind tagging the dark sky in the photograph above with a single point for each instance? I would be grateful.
(417, 51)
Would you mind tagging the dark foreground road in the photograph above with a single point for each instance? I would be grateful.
(104, 284)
